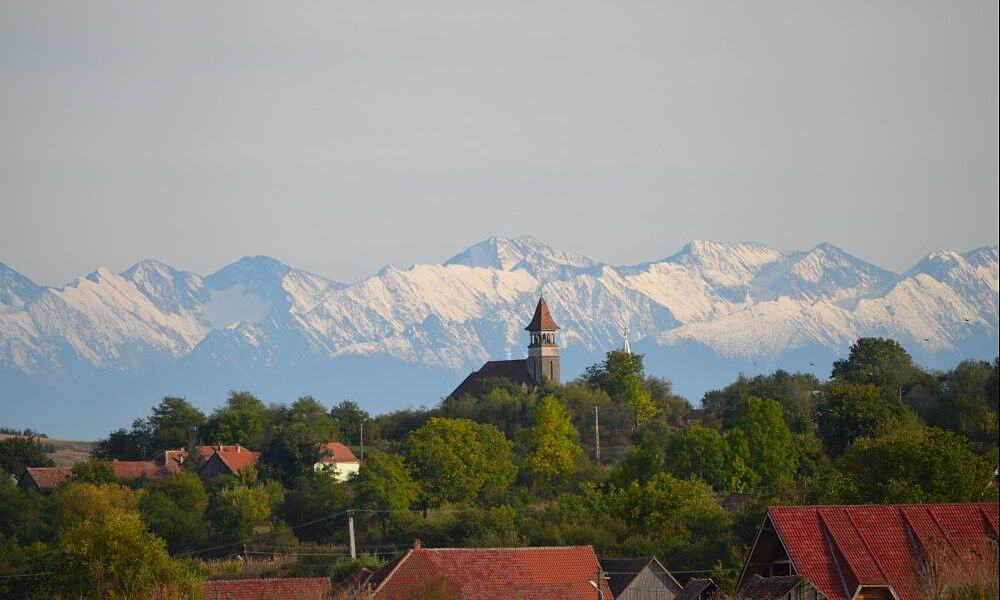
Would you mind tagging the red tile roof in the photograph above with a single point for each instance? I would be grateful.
(136, 469)
(839, 548)
(493, 573)
(337, 453)
(542, 321)
(316, 588)
(46, 478)
(237, 459)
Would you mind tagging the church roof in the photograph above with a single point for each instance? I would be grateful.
(515, 371)
(542, 321)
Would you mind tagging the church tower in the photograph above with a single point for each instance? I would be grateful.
(543, 353)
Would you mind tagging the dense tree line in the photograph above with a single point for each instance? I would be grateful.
(502, 467)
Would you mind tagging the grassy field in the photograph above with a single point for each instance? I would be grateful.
(63, 452)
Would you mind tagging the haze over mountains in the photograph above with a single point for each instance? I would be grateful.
(81, 359)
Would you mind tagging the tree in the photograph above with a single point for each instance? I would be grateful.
(174, 509)
(772, 449)
(459, 460)
(384, 484)
(240, 421)
(880, 362)
(102, 548)
(918, 466)
(670, 406)
(621, 376)
(615, 374)
(239, 509)
(295, 442)
(313, 498)
(22, 515)
(94, 471)
(175, 423)
(794, 391)
(848, 411)
(18, 452)
(125, 444)
(350, 417)
(552, 450)
(721, 460)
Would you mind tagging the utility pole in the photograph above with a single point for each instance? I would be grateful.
(362, 440)
(597, 436)
(350, 532)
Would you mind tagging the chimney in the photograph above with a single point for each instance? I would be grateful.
(416, 544)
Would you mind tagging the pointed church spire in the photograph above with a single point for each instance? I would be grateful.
(625, 346)
(542, 321)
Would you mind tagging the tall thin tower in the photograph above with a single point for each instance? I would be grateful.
(543, 352)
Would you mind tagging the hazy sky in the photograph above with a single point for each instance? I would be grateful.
(340, 137)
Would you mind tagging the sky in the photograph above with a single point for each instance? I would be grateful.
(341, 137)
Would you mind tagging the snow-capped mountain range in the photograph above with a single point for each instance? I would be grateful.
(111, 343)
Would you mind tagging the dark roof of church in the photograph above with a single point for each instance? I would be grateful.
(542, 321)
(515, 371)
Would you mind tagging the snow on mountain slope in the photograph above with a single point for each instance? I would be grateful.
(826, 271)
(726, 265)
(508, 254)
(16, 290)
(739, 300)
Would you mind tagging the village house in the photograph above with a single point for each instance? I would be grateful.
(227, 460)
(338, 461)
(868, 552)
(642, 578)
(541, 365)
(312, 588)
(547, 573)
(46, 479)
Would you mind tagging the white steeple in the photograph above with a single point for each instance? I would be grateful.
(625, 347)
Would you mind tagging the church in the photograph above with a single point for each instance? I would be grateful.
(541, 365)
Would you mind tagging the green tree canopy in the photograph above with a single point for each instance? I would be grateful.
(916, 466)
(722, 460)
(239, 509)
(240, 421)
(553, 453)
(772, 448)
(384, 484)
(848, 411)
(175, 423)
(350, 417)
(103, 550)
(880, 362)
(19, 452)
(313, 498)
(174, 508)
(458, 460)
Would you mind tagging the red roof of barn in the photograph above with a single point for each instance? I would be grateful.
(542, 321)
(315, 588)
(337, 453)
(548, 573)
(47, 478)
(840, 548)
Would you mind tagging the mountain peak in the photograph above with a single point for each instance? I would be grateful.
(523, 252)
(727, 264)
(16, 290)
